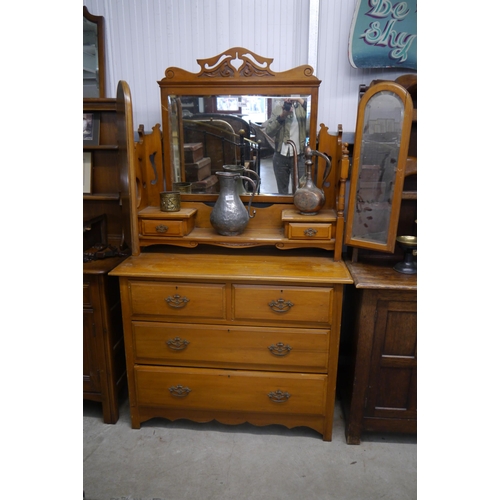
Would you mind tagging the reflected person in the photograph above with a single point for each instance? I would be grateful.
(288, 122)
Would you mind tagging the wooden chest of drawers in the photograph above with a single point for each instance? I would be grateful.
(233, 336)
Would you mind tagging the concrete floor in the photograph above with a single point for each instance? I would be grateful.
(166, 460)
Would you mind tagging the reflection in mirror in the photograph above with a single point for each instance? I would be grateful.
(382, 129)
(93, 55)
(223, 132)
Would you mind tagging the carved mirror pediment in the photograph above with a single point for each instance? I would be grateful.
(225, 107)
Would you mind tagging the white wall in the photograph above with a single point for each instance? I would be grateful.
(145, 37)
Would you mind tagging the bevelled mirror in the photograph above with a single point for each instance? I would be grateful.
(93, 55)
(379, 158)
(223, 110)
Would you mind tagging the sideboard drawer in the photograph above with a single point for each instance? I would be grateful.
(290, 304)
(305, 231)
(163, 228)
(284, 349)
(246, 391)
(178, 300)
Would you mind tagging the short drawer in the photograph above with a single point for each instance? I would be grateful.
(178, 300)
(305, 231)
(280, 349)
(292, 305)
(163, 228)
(245, 391)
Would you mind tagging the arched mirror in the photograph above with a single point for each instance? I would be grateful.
(219, 118)
(93, 55)
(380, 151)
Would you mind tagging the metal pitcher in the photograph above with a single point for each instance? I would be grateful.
(229, 216)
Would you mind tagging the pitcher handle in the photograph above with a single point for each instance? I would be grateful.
(328, 163)
(249, 171)
(251, 197)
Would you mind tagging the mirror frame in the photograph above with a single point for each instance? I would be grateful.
(222, 75)
(99, 21)
(407, 103)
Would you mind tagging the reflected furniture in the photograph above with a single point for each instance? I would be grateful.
(234, 328)
(104, 372)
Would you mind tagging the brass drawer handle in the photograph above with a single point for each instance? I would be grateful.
(177, 344)
(280, 305)
(177, 301)
(310, 232)
(179, 391)
(280, 349)
(161, 228)
(279, 396)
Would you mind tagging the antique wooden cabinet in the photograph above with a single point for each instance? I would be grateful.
(103, 349)
(111, 153)
(378, 385)
(236, 337)
(240, 328)
(378, 376)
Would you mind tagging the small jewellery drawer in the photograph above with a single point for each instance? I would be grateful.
(246, 391)
(305, 231)
(178, 300)
(163, 228)
(280, 349)
(289, 304)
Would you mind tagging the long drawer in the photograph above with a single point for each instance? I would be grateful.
(193, 302)
(280, 349)
(288, 304)
(246, 391)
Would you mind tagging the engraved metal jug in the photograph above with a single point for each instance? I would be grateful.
(229, 216)
(308, 198)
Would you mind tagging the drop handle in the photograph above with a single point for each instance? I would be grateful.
(161, 228)
(177, 344)
(280, 349)
(179, 391)
(280, 305)
(279, 396)
(310, 232)
(176, 301)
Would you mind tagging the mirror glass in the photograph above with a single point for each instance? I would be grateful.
(383, 129)
(90, 59)
(380, 146)
(221, 132)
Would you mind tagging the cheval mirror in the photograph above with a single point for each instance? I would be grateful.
(378, 167)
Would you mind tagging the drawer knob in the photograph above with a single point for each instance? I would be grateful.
(310, 232)
(280, 305)
(280, 349)
(179, 391)
(161, 228)
(279, 396)
(177, 344)
(177, 301)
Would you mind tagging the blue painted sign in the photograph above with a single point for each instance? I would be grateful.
(384, 34)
